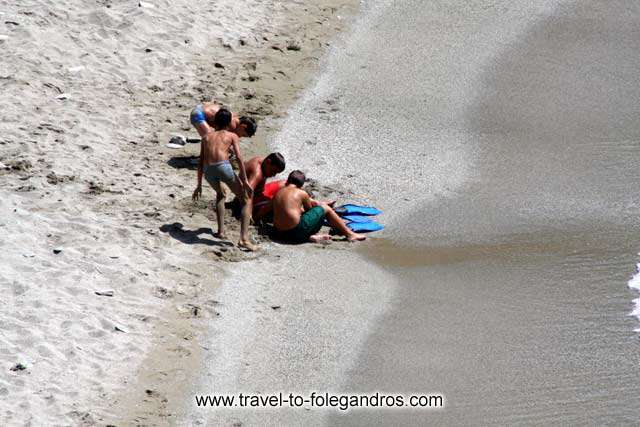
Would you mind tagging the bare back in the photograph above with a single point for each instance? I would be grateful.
(288, 205)
(210, 110)
(216, 146)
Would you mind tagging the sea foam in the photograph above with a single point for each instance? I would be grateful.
(634, 283)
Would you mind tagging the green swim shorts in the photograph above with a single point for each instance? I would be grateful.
(310, 223)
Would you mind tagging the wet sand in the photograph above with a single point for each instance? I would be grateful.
(500, 139)
(510, 333)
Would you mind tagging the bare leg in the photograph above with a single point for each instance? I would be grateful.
(220, 214)
(336, 222)
(244, 226)
(245, 219)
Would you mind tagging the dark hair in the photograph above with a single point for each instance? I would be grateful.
(277, 161)
(296, 178)
(249, 124)
(222, 118)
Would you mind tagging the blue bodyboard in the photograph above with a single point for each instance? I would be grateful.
(356, 218)
(365, 227)
(351, 209)
(361, 219)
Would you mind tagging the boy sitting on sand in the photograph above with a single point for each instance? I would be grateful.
(298, 218)
(214, 164)
(202, 118)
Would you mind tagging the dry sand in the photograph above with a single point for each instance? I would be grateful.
(106, 264)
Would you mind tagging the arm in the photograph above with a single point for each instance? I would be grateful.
(235, 147)
(198, 191)
(201, 162)
(307, 201)
(255, 180)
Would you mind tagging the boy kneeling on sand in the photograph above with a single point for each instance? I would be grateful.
(202, 119)
(215, 166)
(298, 218)
(259, 169)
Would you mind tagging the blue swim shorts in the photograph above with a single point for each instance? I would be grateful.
(197, 115)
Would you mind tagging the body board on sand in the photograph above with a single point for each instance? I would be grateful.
(356, 218)
(351, 209)
(362, 224)
(365, 227)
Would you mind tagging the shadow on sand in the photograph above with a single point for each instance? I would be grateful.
(184, 162)
(191, 237)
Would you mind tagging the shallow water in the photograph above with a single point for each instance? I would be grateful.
(501, 138)
(527, 330)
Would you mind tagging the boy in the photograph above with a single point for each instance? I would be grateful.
(214, 165)
(258, 170)
(202, 119)
(298, 218)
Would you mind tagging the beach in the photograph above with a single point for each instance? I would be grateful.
(499, 138)
(108, 267)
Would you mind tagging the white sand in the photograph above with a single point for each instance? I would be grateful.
(91, 93)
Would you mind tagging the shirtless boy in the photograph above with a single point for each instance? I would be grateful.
(258, 170)
(215, 166)
(202, 119)
(298, 218)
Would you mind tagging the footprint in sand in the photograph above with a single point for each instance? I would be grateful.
(97, 334)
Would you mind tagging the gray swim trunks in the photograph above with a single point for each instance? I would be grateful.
(222, 172)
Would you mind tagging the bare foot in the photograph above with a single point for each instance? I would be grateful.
(245, 244)
(317, 238)
(220, 236)
(356, 237)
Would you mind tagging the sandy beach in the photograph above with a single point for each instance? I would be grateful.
(107, 265)
(498, 137)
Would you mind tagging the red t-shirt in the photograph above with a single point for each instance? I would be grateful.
(272, 187)
(268, 193)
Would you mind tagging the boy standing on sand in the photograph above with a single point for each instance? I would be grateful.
(298, 218)
(215, 166)
(202, 119)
